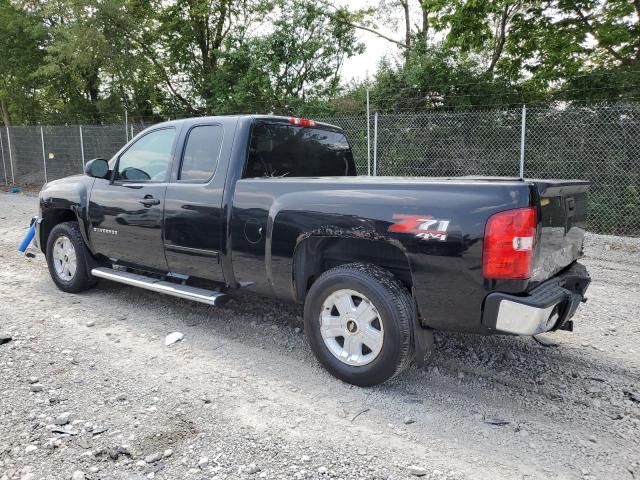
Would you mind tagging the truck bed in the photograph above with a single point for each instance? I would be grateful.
(447, 273)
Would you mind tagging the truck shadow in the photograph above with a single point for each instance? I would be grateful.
(505, 360)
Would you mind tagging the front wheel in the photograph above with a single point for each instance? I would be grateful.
(359, 321)
(66, 258)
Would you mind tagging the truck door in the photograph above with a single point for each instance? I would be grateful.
(126, 211)
(194, 220)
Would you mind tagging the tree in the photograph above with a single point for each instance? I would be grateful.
(429, 80)
(70, 60)
(86, 67)
(482, 28)
(513, 51)
(92, 59)
(188, 47)
(22, 38)
(214, 62)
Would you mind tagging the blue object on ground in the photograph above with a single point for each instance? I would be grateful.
(27, 238)
(15, 190)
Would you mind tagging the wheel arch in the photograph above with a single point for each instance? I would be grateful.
(81, 279)
(316, 254)
(52, 217)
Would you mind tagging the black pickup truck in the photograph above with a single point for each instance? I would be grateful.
(197, 207)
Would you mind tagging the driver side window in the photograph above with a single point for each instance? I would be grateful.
(148, 159)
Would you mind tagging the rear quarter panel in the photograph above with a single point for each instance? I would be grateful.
(447, 273)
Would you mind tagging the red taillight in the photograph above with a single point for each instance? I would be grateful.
(302, 122)
(509, 239)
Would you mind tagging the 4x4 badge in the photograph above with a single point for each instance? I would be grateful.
(422, 226)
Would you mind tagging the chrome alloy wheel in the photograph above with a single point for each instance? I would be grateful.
(351, 327)
(65, 261)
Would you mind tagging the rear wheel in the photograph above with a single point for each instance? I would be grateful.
(66, 257)
(358, 320)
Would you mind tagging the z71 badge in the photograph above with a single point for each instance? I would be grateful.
(424, 227)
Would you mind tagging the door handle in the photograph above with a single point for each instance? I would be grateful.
(149, 200)
(571, 207)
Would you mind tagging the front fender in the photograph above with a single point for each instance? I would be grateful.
(63, 200)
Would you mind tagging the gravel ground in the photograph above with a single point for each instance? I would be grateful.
(89, 389)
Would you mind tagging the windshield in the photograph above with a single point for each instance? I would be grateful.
(281, 150)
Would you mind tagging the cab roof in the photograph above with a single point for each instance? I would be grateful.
(227, 119)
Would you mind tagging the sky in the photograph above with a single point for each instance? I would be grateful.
(362, 66)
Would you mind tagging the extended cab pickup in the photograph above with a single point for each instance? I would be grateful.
(196, 207)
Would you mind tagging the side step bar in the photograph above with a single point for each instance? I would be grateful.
(210, 297)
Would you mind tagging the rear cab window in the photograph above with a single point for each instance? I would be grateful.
(201, 153)
(283, 150)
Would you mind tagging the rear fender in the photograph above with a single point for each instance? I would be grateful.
(317, 252)
(329, 247)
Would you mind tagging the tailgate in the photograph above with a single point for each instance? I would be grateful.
(563, 207)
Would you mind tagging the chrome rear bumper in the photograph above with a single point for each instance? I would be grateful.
(549, 306)
(521, 319)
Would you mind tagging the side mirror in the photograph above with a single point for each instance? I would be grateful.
(97, 168)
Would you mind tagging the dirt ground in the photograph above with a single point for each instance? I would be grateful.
(88, 388)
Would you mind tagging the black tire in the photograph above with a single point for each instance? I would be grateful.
(81, 279)
(396, 311)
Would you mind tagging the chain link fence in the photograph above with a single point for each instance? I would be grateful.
(448, 144)
(599, 144)
(34, 155)
(596, 143)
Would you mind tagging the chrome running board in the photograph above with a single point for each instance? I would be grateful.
(210, 297)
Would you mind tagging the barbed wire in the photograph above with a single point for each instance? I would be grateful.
(350, 105)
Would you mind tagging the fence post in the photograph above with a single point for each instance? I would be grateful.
(126, 126)
(4, 165)
(522, 135)
(13, 177)
(368, 137)
(44, 156)
(131, 132)
(81, 146)
(375, 144)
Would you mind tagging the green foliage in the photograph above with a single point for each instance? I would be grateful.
(428, 79)
(615, 212)
(484, 53)
(291, 69)
(21, 40)
(89, 60)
